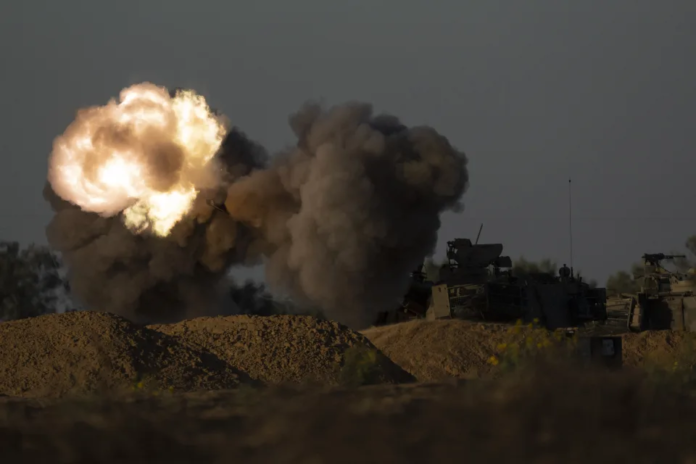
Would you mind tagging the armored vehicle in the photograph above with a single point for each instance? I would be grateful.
(667, 300)
(478, 282)
(481, 282)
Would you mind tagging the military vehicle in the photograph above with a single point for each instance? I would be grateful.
(618, 308)
(666, 301)
(478, 282)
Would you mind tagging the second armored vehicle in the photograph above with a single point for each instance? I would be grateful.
(667, 300)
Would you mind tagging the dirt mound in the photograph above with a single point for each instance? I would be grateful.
(438, 350)
(81, 352)
(283, 349)
(661, 347)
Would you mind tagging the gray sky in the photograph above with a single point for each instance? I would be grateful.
(533, 91)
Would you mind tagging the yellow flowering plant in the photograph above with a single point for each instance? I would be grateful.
(527, 343)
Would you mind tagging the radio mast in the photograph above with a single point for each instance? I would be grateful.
(570, 223)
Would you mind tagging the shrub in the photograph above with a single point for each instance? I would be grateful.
(676, 370)
(148, 386)
(530, 344)
(360, 366)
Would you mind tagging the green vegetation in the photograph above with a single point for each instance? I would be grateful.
(529, 344)
(629, 282)
(360, 366)
(523, 267)
(33, 283)
(684, 264)
(520, 268)
(30, 281)
(149, 386)
(676, 370)
(624, 282)
(253, 299)
(527, 348)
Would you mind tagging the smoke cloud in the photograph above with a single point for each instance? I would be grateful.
(149, 278)
(351, 209)
(340, 220)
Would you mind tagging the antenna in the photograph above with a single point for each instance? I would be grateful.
(479, 234)
(570, 222)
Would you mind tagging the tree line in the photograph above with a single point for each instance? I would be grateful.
(618, 283)
(520, 267)
(629, 281)
(33, 281)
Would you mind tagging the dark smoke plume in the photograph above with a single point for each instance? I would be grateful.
(352, 209)
(341, 219)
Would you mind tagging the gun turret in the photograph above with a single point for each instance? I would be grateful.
(462, 254)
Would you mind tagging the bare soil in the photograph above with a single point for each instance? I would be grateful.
(658, 347)
(444, 349)
(82, 352)
(439, 350)
(281, 349)
(227, 405)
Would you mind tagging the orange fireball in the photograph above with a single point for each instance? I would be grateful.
(146, 156)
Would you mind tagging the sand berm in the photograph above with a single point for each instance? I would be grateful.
(82, 352)
(434, 351)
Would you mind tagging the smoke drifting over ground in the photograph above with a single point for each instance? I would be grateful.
(341, 219)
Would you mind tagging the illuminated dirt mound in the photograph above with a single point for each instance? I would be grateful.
(438, 350)
(663, 347)
(80, 352)
(281, 349)
(445, 349)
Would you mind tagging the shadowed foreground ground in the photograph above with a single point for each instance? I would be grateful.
(548, 417)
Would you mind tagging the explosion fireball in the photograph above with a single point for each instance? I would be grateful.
(339, 219)
(146, 155)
